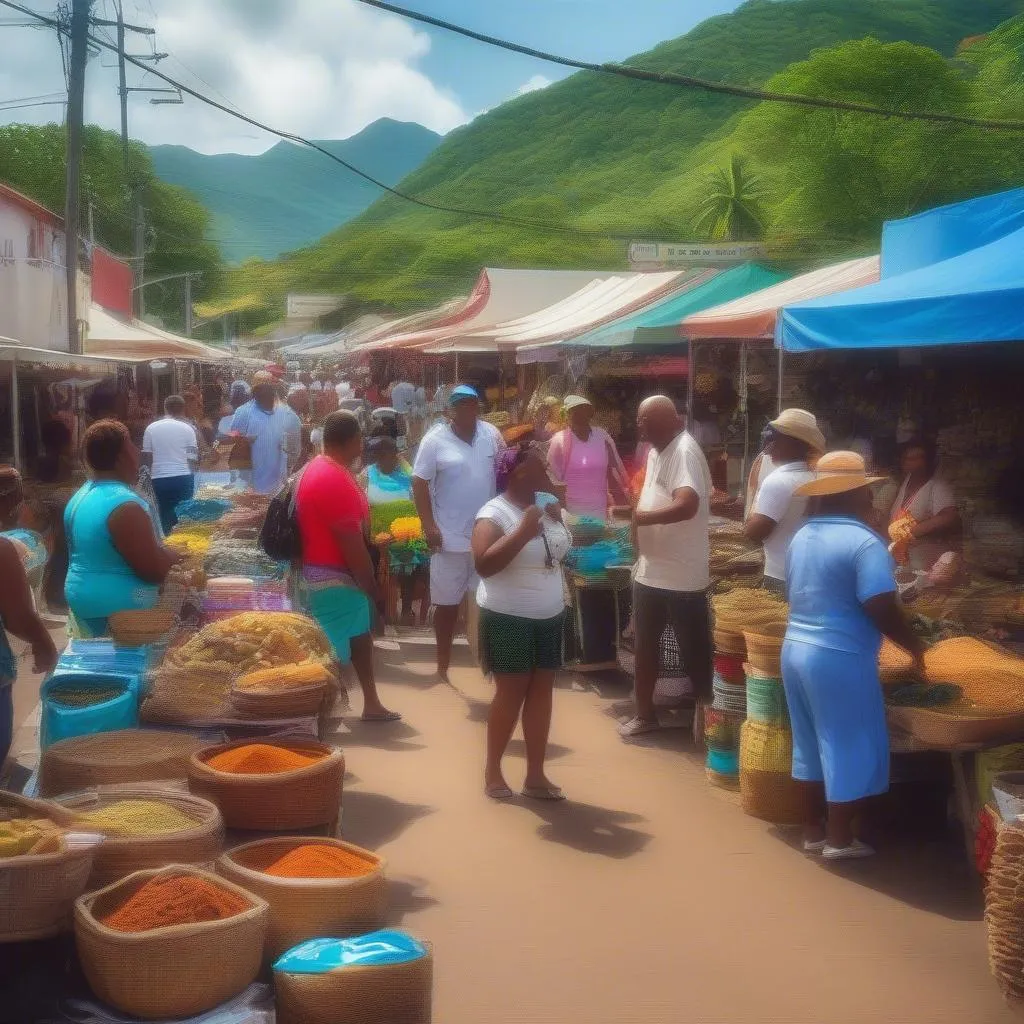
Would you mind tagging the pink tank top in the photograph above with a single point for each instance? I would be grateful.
(586, 476)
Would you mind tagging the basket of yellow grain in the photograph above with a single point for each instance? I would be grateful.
(42, 871)
(146, 828)
(288, 691)
(170, 943)
(136, 628)
(273, 785)
(314, 885)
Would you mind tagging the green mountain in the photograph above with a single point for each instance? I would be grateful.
(289, 196)
(612, 157)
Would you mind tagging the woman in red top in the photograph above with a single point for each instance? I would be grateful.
(333, 517)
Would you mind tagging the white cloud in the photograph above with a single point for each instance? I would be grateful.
(535, 83)
(319, 68)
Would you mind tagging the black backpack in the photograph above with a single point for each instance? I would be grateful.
(279, 534)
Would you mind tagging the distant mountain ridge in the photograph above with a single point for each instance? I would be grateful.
(280, 200)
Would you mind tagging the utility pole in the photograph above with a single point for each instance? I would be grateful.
(123, 93)
(72, 204)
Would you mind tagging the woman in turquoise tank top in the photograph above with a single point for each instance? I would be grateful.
(18, 613)
(116, 562)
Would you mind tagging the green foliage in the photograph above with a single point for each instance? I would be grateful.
(289, 196)
(732, 209)
(613, 157)
(32, 161)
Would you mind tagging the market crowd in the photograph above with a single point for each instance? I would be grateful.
(485, 516)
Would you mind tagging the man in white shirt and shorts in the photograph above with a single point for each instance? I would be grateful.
(672, 576)
(170, 448)
(452, 479)
(778, 512)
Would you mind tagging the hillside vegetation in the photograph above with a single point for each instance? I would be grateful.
(613, 157)
(289, 196)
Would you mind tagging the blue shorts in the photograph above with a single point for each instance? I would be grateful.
(837, 710)
(343, 613)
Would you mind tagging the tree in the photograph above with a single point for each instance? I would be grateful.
(732, 209)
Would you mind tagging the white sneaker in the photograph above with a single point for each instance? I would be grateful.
(855, 851)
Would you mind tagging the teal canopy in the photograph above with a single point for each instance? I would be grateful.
(658, 324)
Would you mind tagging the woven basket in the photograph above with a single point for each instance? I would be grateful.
(771, 796)
(119, 856)
(395, 993)
(126, 755)
(307, 908)
(284, 702)
(297, 799)
(936, 729)
(39, 891)
(172, 972)
(766, 700)
(764, 653)
(136, 628)
(1004, 912)
(729, 643)
(765, 748)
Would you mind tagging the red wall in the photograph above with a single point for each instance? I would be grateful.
(112, 282)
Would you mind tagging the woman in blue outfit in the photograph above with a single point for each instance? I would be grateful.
(842, 600)
(116, 562)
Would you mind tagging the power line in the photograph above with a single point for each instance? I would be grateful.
(690, 82)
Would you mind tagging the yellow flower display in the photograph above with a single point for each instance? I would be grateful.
(406, 529)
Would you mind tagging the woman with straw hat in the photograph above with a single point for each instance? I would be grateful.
(842, 599)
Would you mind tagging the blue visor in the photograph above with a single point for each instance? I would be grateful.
(461, 391)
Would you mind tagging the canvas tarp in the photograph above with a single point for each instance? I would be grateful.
(658, 323)
(599, 301)
(506, 295)
(753, 317)
(977, 296)
(136, 340)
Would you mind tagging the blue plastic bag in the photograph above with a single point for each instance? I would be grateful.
(320, 956)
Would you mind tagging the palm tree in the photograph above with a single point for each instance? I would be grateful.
(732, 209)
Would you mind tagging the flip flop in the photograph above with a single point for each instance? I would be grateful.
(637, 727)
(382, 716)
(543, 792)
(498, 791)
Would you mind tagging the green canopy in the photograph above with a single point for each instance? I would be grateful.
(658, 324)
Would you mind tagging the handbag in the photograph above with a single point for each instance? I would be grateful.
(279, 535)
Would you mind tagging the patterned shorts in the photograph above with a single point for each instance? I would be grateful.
(513, 645)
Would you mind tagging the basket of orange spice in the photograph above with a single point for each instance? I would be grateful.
(273, 785)
(315, 886)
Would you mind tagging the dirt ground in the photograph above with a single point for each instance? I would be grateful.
(647, 896)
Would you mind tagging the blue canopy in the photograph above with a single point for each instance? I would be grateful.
(658, 324)
(948, 231)
(977, 296)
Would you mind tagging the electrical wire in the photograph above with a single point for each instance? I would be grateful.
(630, 71)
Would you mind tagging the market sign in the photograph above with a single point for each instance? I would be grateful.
(309, 307)
(649, 255)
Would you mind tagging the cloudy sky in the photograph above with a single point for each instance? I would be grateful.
(326, 68)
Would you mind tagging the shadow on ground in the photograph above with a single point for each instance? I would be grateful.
(588, 828)
(407, 896)
(371, 819)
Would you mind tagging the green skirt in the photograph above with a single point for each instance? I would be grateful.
(514, 645)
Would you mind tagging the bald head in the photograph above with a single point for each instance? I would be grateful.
(659, 420)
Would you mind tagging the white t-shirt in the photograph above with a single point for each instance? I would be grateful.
(172, 443)
(776, 500)
(934, 497)
(764, 467)
(461, 478)
(526, 586)
(675, 556)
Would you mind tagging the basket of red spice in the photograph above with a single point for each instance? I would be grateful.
(274, 785)
(314, 886)
(170, 943)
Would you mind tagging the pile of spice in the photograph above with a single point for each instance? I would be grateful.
(82, 697)
(182, 899)
(21, 836)
(138, 818)
(319, 860)
(261, 759)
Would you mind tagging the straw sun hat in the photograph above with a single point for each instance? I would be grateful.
(837, 472)
(802, 425)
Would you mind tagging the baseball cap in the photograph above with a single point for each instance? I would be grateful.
(460, 392)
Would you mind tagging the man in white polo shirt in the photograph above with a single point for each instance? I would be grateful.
(170, 448)
(452, 479)
(777, 512)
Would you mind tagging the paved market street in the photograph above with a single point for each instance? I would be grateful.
(647, 896)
